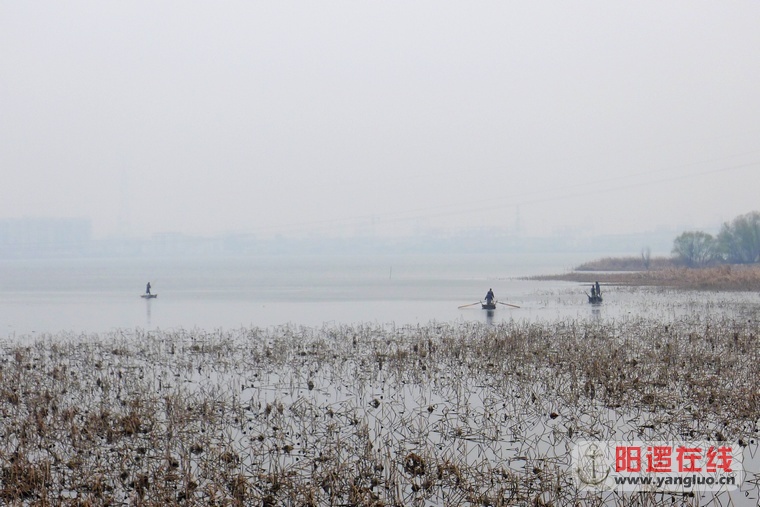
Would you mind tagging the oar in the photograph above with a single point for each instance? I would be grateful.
(507, 304)
(472, 304)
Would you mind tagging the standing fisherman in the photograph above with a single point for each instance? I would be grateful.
(489, 296)
(147, 288)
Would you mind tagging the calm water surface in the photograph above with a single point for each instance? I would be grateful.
(78, 295)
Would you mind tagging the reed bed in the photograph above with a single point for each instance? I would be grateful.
(629, 263)
(723, 278)
(443, 414)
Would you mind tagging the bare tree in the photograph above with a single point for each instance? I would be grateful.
(739, 241)
(695, 249)
(646, 257)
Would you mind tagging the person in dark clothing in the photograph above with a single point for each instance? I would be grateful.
(593, 290)
(489, 296)
(598, 290)
(147, 288)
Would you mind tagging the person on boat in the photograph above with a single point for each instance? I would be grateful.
(490, 297)
(598, 290)
(593, 291)
(147, 288)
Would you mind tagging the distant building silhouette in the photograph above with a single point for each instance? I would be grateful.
(44, 237)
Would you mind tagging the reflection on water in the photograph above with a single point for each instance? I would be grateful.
(94, 296)
(148, 302)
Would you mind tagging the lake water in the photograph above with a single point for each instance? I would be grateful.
(93, 296)
(96, 295)
(100, 295)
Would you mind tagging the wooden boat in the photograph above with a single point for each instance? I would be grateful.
(149, 296)
(594, 300)
(489, 306)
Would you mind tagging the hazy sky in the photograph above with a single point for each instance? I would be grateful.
(343, 117)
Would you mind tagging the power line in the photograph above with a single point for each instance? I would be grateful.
(509, 201)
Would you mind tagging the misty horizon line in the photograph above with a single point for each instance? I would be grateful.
(74, 238)
(20, 226)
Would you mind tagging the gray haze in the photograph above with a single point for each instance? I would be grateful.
(387, 118)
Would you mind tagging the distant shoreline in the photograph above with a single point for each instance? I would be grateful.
(662, 272)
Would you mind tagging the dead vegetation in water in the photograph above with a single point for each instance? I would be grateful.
(630, 263)
(461, 414)
(723, 278)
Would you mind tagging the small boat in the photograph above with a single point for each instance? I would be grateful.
(149, 296)
(596, 294)
(488, 306)
(594, 300)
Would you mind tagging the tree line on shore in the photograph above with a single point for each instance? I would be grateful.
(738, 242)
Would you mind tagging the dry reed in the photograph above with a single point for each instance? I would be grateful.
(462, 414)
(724, 278)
